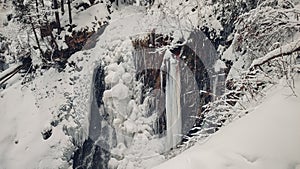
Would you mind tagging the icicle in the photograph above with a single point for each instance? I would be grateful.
(137, 3)
(215, 84)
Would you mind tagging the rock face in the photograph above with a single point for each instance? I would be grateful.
(90, 156)
(177, 79)
(176, 83)
(95, 152)
(3, 50)
(2, 65)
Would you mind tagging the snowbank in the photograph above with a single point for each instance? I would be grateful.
(23, 121)
(268, 137)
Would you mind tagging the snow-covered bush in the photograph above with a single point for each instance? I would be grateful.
(272, 24)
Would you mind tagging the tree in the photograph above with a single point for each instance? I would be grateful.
(36, 38)
(62, 6)
(267, 27)
(70, 12)
(37, 6)
(55, 7)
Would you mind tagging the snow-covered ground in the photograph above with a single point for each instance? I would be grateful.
(267, 138)
(26, 112)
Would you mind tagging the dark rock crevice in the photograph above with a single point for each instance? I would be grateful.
(94, 153)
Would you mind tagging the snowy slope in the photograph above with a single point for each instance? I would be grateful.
(267, 138)
(27, 112)
(58, 101)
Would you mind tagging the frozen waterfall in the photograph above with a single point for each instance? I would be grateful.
(173, 108)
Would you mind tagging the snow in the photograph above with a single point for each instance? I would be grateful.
(114, 73)
(118, 98)
(21, 140)
(92, 18)
(120, 91)
(127, 78)
(268, 137)
(229, 53)
(219, 65)
(29, 110)
(5, 9)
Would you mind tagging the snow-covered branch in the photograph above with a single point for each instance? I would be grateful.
(278, 52)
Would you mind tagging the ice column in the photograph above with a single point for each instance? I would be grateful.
(173, 110)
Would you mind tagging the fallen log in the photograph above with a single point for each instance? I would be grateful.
(9, 73)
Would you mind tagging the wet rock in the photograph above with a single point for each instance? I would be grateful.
(47, 134)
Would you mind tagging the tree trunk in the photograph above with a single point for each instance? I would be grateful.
(42, 2)
(36, 37)
(37, 6)
(55, 6)
(53, 41)
(70, 12)
(92, 2)
(6, 77)
(62, 4)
